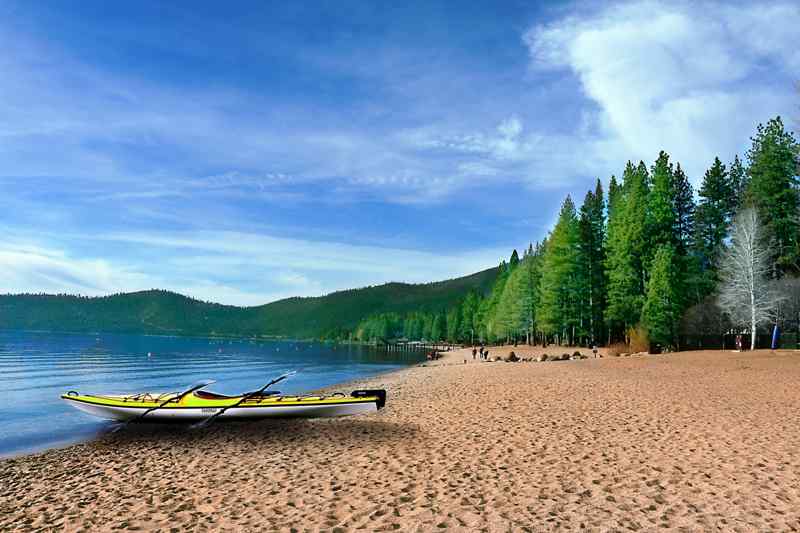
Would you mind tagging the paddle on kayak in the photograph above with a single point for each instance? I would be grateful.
(245, 397)
(194, 387)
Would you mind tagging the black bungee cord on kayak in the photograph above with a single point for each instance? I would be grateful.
(244, 398)
(195, 386)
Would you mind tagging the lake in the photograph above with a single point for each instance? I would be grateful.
(36, 368)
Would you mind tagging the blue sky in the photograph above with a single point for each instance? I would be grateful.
(244, 152)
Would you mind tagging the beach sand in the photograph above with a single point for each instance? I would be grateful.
(695, 441)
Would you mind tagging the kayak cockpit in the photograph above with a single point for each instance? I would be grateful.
(208, 395)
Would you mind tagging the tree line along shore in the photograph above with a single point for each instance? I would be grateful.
(647, 263)
(159, 312)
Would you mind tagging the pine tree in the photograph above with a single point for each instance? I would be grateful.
(582, 279)
(407, 326)
(438, 327)
(487, 311)
(684, 206)
(514, 261)
(613, 192)
(618, 267)
(504, 322)
(416, 327)
(773, 189)
(469, 310)
(529, 293)
(661, 310)
(661, 217)
(625, 248)
(454, 324)
(427, 327)
(712, 220)
(683, 203)
(637, 192)
(557, 295)
(739, 185)
(592, 244)
(515, 315)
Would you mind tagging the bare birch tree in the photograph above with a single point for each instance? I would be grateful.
(745, 290)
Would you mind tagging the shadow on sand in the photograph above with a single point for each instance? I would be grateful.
(275, 432)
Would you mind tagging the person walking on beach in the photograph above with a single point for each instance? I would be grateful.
(474, 352)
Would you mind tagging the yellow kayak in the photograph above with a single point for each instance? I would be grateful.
(198, 405)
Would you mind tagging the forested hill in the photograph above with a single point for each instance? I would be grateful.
(163, 312)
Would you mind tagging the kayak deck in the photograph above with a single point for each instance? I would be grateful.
(201, 404)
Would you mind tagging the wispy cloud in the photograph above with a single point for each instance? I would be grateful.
(119, 136)
(228, 267)
(31, 268)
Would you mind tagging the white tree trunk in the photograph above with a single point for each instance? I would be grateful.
(745, 292)
(753, 325)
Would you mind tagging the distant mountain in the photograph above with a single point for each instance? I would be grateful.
(168, 313)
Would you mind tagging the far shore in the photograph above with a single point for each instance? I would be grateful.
(164, 334)
(274, 338)
(693, 441)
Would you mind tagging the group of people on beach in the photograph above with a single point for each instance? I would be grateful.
(483, 353)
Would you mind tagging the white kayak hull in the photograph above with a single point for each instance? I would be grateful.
(195, 414)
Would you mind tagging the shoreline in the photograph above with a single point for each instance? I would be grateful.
(354, 384)
(69, 443)
(452, 357)
(615, 443)
(102, 432)
(272, 338)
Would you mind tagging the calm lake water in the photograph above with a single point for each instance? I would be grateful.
(36, 368)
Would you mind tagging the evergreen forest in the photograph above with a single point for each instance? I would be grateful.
(642, 258)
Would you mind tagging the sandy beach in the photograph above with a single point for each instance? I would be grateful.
(694, 441)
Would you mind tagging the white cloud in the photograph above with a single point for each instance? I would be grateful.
(501, 143)
(689, 78)
(33, 268)
(509, 154)
(372, 263)
(226, 267)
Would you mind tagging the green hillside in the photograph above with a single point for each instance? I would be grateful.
(163, 312)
